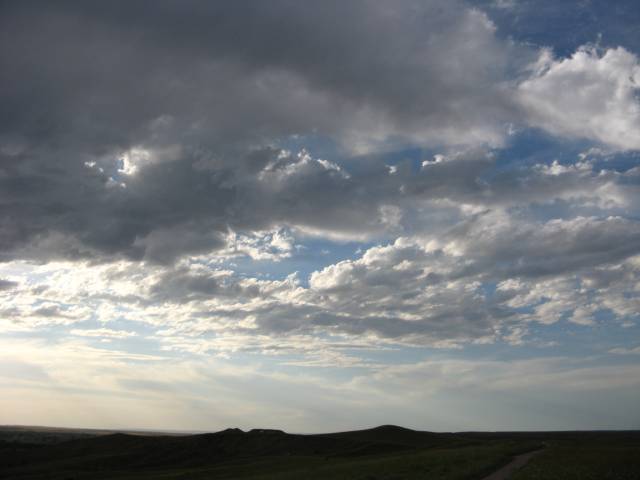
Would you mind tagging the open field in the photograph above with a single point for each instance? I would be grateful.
(386, 452)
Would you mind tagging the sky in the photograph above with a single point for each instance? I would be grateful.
(320, 216)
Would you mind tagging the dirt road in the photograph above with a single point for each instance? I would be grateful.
(517, 463)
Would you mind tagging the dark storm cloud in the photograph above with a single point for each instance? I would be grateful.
(182, 286)
(361, 52)
(203, 89)
(148, 131)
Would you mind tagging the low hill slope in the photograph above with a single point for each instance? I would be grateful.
(132, 452)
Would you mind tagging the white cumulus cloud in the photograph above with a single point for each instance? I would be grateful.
(590, 95)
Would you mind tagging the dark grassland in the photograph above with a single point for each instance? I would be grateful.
(386, 452)
(589, 456)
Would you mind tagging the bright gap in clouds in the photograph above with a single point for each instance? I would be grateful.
(300, 226)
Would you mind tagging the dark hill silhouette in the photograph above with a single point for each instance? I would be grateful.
(393, 435)
(134, 452)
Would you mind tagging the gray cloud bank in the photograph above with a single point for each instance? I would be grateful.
(181, 102)
(149, 131)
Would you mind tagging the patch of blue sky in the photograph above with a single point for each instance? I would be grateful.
(620, 162)
(140, 339)
(533, 146)
(565, 338)
(567, 25)
(314, 255)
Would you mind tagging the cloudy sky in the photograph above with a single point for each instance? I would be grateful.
(320, 216)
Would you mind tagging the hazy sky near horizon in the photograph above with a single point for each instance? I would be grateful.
(320, 216)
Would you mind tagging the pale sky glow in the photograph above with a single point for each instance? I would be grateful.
(320, 216)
